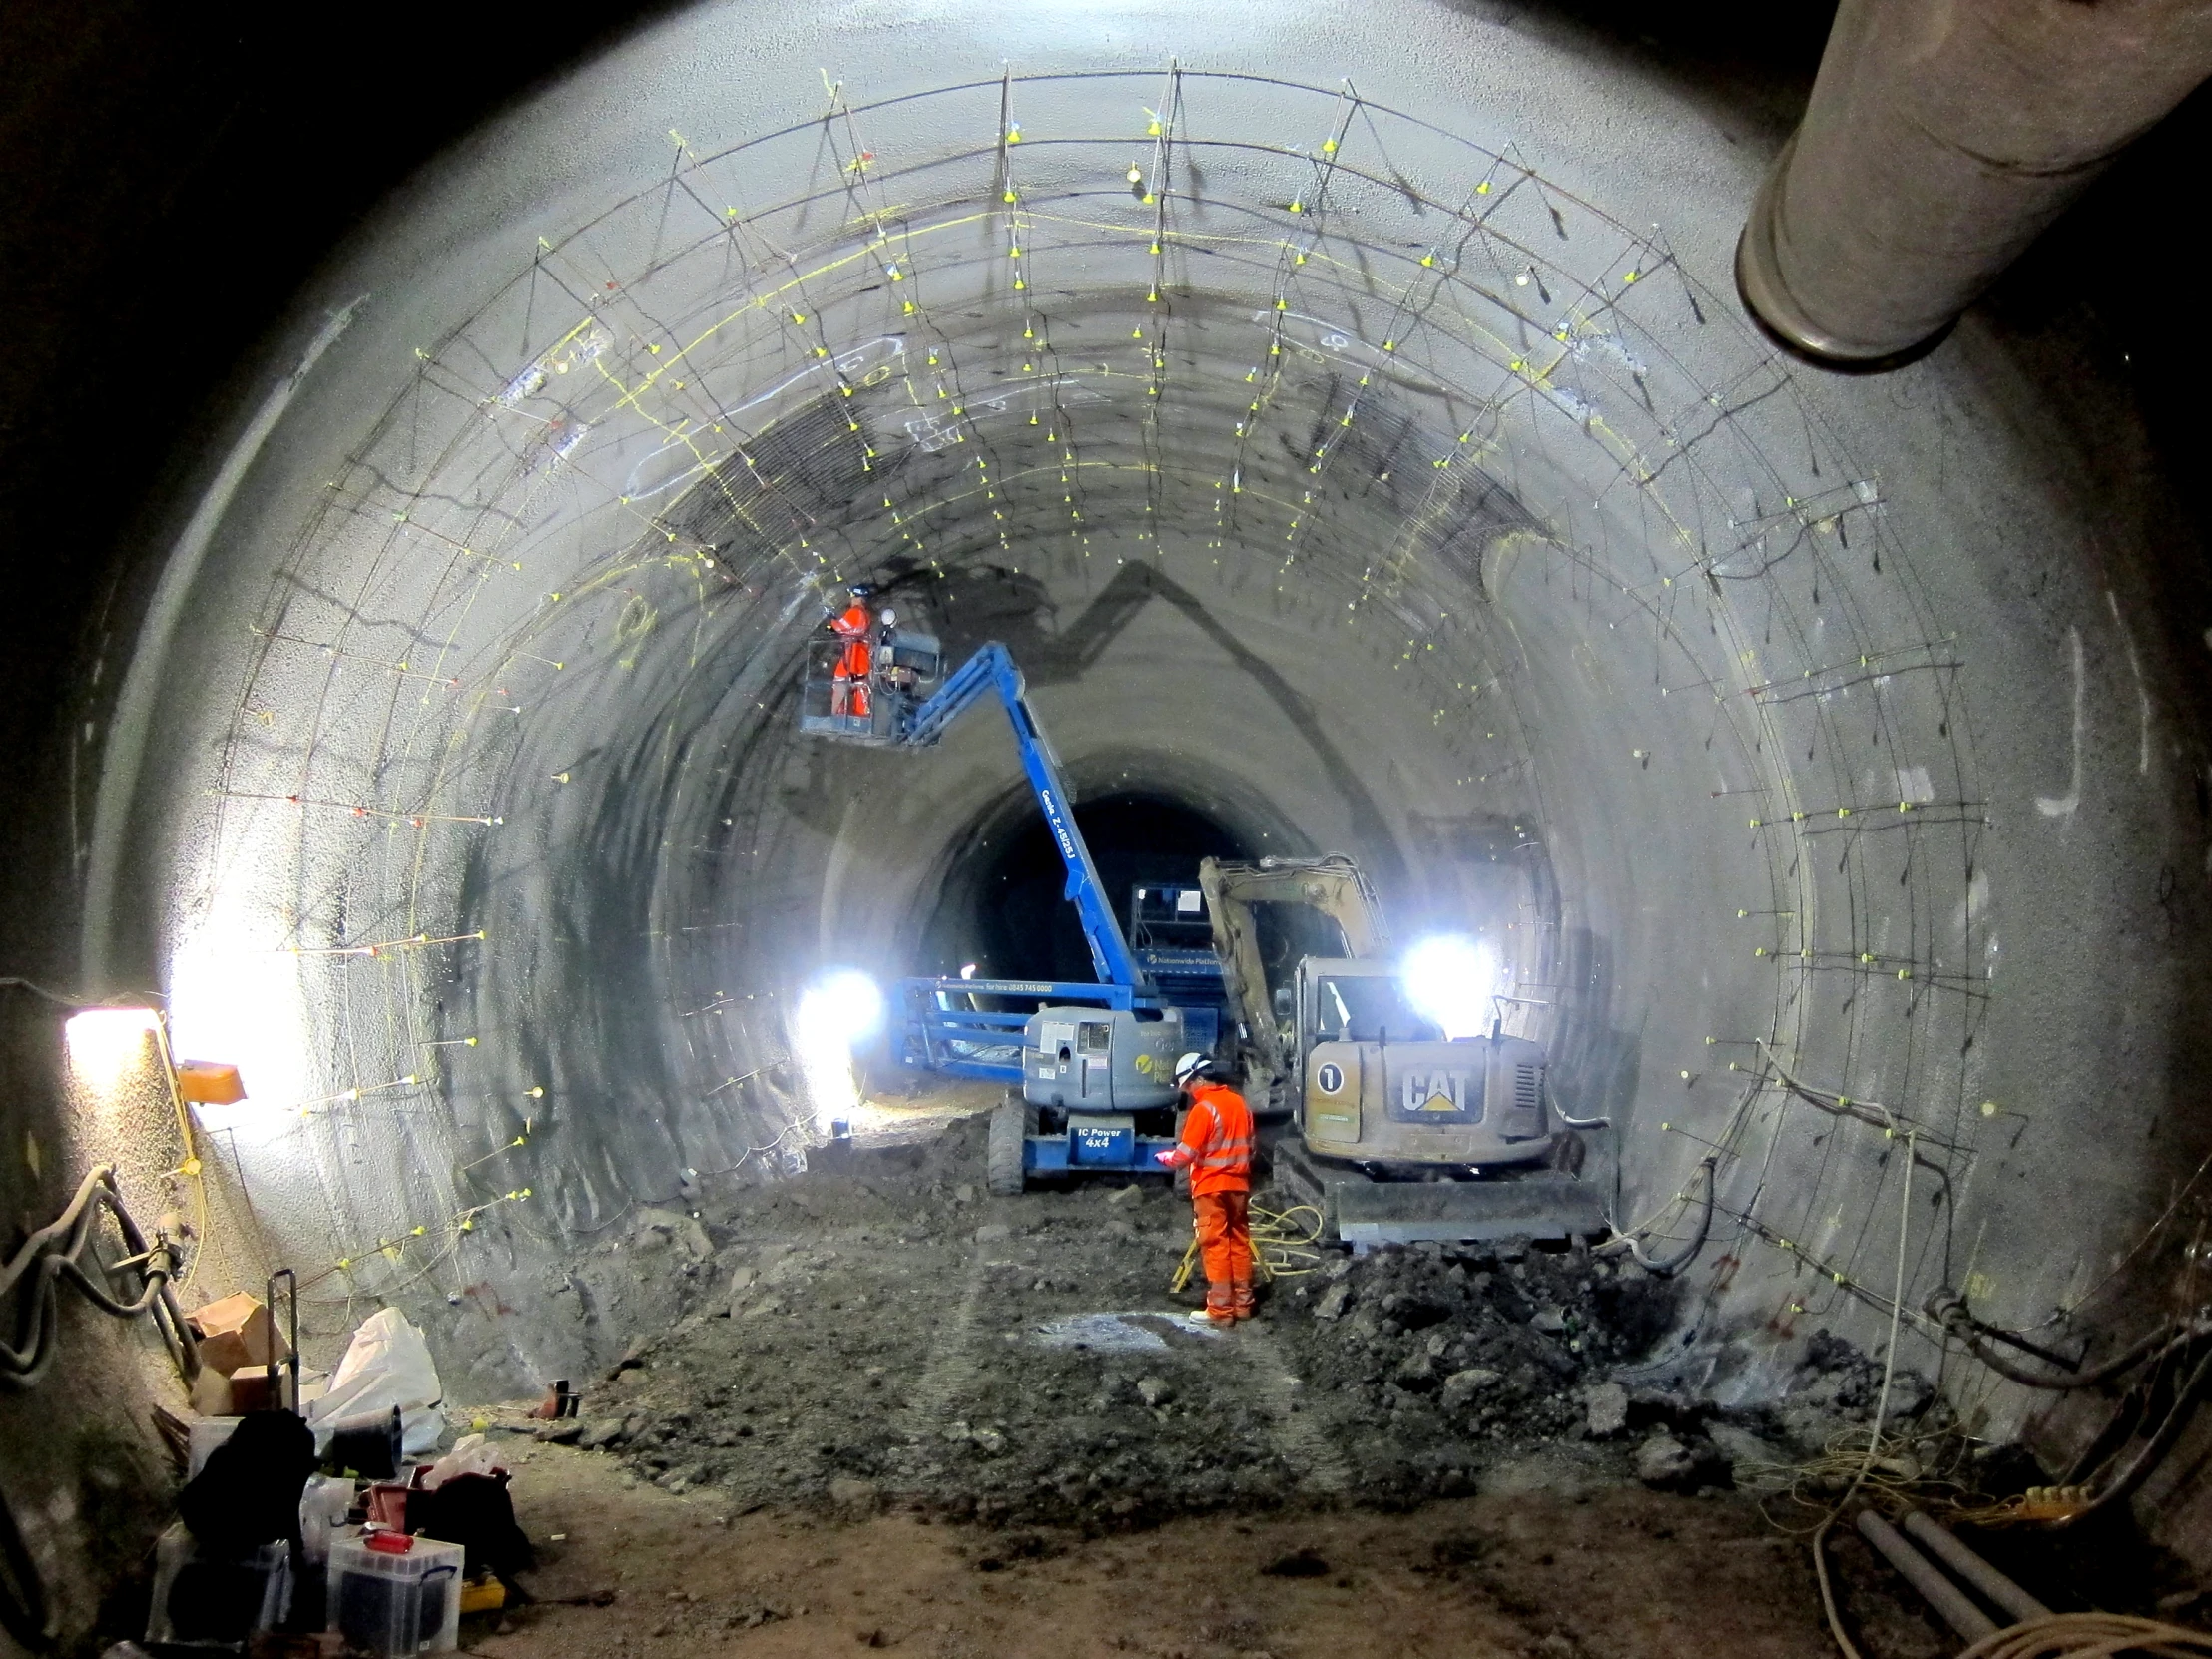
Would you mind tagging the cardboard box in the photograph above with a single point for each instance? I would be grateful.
(236, 1333)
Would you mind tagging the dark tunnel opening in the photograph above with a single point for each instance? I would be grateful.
(1004, 906)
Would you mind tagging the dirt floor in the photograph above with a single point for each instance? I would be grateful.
(879, 1332)
(1553, 1558)
(889, 1410)
(875, 1406)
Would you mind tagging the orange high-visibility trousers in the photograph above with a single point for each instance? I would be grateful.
(848, 686)
(1225, 1247)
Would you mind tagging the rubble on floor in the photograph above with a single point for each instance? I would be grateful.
(884, 1335)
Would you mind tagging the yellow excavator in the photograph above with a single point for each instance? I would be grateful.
(1402, 1131)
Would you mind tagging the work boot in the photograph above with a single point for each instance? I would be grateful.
(1206, 1316)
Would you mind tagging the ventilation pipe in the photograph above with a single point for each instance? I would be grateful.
(1941, 138)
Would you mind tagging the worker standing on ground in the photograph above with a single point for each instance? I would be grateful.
(848, 686)
(1216, 1147)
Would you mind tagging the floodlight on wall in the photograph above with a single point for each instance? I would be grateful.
(836, 1014)
(108, 1045)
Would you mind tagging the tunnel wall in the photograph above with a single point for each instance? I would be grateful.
(1834, 714)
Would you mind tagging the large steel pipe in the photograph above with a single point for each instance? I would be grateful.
(1941, 138)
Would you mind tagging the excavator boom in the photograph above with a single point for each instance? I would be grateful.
(1333, 885)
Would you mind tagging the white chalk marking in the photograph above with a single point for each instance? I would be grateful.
(2142, 692)
(2064, 806)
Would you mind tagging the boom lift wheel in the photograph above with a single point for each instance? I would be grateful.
(1011, 1126)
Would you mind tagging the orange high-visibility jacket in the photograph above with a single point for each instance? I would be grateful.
(852, 628)
(1217, 1140)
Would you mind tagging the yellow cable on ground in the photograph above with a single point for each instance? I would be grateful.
(2090, 1636)
(1282, 1246)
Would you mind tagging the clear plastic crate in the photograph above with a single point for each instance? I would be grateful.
(204, 1600)
(393, 1606)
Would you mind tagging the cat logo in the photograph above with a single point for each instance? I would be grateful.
(1330, 1078)
(1444, 1091)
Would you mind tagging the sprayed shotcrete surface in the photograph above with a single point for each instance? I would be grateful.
(1375, 465)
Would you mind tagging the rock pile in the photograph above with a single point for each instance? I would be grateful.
(1486, 1341)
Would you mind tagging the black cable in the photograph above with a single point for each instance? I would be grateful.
(1949, 1307)
(1667, 1268)
(24, 1612)
(2169, 1431)
(58, 1252)
(11, 982)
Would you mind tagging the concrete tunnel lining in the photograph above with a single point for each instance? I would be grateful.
(1689, 589)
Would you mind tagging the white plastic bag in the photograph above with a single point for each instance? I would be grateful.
(389, 1364)
(471, 1454)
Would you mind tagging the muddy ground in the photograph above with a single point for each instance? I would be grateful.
(882, 1333)
(888, 1409)
(1552, 1560)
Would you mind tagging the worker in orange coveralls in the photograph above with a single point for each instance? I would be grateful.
(849, 685)
(1216, 1147)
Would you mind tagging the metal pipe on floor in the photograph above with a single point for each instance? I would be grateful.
(1949, 1600)
(1939, 141)
(1993, 1585)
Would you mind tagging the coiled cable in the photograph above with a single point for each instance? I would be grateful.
(61, 1251)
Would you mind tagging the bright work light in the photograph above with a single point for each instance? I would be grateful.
(838, 1011)
(1451, 979)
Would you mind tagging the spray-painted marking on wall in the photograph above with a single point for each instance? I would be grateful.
(2064, 806)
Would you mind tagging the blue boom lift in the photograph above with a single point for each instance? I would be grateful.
(1090, 1066)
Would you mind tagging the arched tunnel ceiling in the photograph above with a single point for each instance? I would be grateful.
(1376, 464)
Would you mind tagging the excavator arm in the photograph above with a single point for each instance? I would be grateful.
(1331, 885)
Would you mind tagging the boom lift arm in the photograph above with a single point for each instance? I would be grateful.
(992, 669)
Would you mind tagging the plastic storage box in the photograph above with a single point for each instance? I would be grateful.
(394, 1604)
(203, 1600)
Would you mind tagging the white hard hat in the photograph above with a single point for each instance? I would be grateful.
(890, 616)
(1189, 1067)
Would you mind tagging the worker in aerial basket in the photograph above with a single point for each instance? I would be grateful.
(849, 685)
(1216, 1147)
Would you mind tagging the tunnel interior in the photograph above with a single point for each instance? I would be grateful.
(1004, 906)
(1382, 468)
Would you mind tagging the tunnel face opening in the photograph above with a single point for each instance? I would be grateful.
(1397, 490)
(1005, 908)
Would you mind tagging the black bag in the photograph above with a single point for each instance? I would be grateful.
(476, 1513)
(249, 1492)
